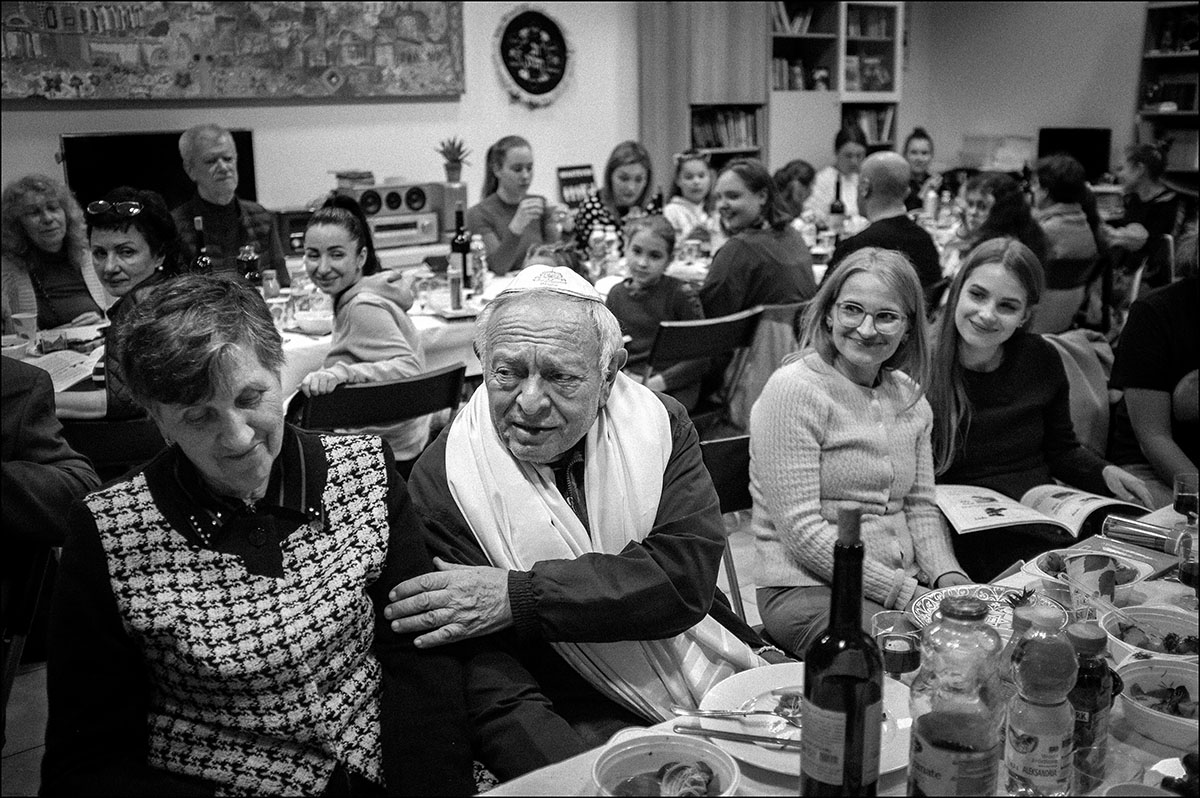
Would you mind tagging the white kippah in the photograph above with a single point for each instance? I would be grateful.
(558, 279)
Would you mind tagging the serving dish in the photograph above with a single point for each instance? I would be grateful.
(758, 688)
(646, 753)
(1154, 674)
(14, 346)
(1167, 619)
(997, 597)
(1056, 589)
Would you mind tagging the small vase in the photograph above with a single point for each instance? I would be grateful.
(453, 172)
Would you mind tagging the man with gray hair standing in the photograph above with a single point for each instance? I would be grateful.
(882, 187)
(229, 223)
(574, 523)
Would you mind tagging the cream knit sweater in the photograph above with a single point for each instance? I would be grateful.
(819, 442)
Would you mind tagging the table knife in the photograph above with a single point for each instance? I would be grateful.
(779, 742)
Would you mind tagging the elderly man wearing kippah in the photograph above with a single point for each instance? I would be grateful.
(571, 517)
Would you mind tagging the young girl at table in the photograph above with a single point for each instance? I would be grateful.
(625, 195)
(648, 296)
(1001, 405)
(374, 340)
(843, 423)
(134, 247)
(690, 209)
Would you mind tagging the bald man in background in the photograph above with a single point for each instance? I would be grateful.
(882, 187)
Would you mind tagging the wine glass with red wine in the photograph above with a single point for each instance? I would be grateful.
(1187, 486)
(899, 641)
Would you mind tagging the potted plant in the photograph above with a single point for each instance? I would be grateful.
(455, 152)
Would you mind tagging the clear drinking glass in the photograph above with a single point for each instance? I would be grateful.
(1187, 495)
(899, 642)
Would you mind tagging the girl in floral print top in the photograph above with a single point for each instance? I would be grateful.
(624, 195)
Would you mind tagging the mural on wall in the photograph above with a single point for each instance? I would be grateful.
(226, 50)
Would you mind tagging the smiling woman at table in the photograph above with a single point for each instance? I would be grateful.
(1001, 404)
(844, 424)
(624, 196)
(44, 256)
(374, 340)
(279, 674)
(134, 246)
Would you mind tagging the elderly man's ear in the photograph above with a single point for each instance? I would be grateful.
(614, 368)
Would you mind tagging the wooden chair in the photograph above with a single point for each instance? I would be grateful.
(114, 447)
(379, 403)
(728, 463)
(723, 336)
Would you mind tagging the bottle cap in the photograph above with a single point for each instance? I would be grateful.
(964, 608)
(1045, 618)
(1088, 638)
(268, 273)
(848, 524)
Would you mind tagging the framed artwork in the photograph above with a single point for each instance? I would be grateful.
(228, 50)
(532, 55)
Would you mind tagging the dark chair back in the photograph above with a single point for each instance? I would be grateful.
(114, 447)
(728, 463)
(676, 341)
(29, 590)
(380, 403)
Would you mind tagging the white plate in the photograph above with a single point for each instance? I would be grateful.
(999, 612)
(753, 688)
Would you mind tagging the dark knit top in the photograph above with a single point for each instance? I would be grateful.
(1020, 434)
(640, 312)
(901, 234)
(758, 267)
(201, 645)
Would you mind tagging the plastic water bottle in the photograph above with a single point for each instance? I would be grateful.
(1022, 622)
(1039, 735)
(929, 206)
(597, 251)
(945, 212)
(955, 704)
(1091, 699)
(479, 262)
(612, 249)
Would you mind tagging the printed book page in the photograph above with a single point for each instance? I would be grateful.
(1070, 506)
(972, 509)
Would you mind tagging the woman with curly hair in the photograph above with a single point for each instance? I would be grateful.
(44, 260)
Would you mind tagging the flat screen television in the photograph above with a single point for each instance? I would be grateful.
(1088, 145)
(95, 163)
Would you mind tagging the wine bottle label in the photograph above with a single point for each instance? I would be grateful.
(935, 769)
(1037, 764)
(823, 743)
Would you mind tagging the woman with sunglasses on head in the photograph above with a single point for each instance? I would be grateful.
(44, 256)
(844, 423)
(1001, 404)
(134, 247)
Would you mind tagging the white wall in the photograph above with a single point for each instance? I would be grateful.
(1010, 68)
(295, 146)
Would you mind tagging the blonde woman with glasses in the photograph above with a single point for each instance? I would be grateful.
(844, 423)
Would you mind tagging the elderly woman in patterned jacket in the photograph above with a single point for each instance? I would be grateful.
(218, 624)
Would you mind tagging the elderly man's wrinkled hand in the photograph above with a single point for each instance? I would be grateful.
(454, 603)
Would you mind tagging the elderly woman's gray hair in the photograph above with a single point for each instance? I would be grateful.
(605, 324)
(175, 345)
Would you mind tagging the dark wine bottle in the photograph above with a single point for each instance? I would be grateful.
(843, 684)
(202, 263)
(658, 198)
(460, 247)
(837, 209)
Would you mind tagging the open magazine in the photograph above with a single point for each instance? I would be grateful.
(972, 509)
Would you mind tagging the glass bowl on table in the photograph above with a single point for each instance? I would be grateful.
(665, 764)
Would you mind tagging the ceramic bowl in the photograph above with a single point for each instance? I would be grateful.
(1168, 619)
(1152, 674)
(314, 322)
(647, 753)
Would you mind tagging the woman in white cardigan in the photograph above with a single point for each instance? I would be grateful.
(844, 424)
(45, 267)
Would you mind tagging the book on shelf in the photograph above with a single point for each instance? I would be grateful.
(779, 17)
(973, 509)
(803, 20)
(885, 130)
(853, 22)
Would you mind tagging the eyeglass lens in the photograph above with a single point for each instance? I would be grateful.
(128, 208)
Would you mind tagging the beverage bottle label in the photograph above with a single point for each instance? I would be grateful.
(1037, 764)
(822, 752)
(937, 770)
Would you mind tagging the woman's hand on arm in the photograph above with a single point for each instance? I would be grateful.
(1126, 486)
(83, 319)
(322, 381)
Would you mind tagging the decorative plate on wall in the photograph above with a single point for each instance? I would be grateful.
(532, 55)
